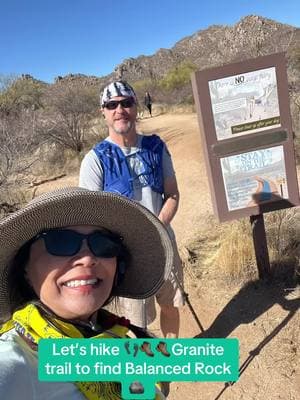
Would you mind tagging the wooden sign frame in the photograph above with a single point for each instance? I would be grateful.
(245, 123)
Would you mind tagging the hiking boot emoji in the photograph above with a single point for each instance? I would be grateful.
(146, 348)
(162, 347)
(135, 349)
(126, 345)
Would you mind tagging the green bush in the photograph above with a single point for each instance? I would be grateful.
(142, 86)
(178, 76)
(16, 94)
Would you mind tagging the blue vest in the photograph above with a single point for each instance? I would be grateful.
(116, 173)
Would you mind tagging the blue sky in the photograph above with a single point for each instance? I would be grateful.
(47, 38)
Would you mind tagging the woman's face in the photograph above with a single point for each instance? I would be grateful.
(72, 287)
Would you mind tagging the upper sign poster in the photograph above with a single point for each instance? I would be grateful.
(245, 103)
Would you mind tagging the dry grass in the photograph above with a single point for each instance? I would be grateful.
(12, 198)
(159, 109)
(97, 132)
(235, 256)
(226, 250)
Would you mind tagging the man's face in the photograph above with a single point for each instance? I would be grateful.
(121, 119)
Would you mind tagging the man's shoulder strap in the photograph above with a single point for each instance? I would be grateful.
(104, 145)
(152, 142)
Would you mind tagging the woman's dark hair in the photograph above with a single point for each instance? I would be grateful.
(122, 262)
(20, 291)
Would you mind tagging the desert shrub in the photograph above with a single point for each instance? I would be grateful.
(68, 115)
(163, 108)
(142, 86)
(19, 100)
(226, 250)
(174, 88)
(181, 109)
(52, 159)
(294, 57)
(18, 94)
(97, 132)
(283, 234)
(18, 141)
(235, 256)
(178, 76)
(12, 199)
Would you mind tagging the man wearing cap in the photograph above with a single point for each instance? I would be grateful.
(140, 168)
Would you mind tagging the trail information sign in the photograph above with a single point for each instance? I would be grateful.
(244, 118)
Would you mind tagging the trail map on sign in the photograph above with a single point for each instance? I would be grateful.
(254, 177)
(245, 103)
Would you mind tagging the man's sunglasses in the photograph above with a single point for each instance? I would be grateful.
(125, 103)
(67, 243)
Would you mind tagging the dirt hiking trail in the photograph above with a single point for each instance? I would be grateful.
(265, 318)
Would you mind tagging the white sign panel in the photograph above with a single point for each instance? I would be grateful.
(254, 177)
(245, 103)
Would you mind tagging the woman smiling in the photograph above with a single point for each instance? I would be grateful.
(62, 258)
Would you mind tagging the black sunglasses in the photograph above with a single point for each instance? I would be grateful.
(125, 103)
(67, 243)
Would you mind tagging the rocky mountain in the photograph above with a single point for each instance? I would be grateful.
(250, 37)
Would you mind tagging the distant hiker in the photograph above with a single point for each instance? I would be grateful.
(148, 102)
(140, 168)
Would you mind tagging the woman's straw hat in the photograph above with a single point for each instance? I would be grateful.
(145, 238)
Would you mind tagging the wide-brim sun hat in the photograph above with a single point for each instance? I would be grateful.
(145, 237)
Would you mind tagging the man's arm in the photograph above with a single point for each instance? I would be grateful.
(171, 200)
(91, 173)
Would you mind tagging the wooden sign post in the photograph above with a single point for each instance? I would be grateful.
(244, 117)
